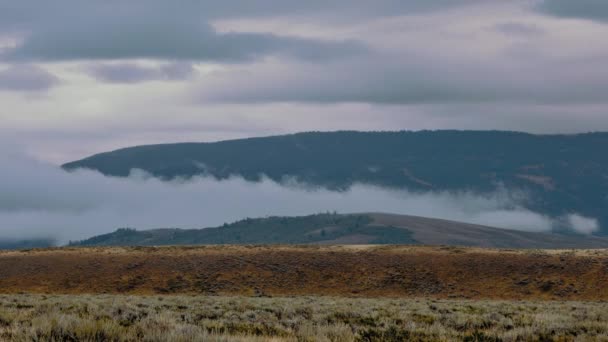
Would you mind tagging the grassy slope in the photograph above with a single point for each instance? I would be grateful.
(366, 271)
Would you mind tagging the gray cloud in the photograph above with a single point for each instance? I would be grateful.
(81, 204)
(517, 28)
(26, 78)
(415, 79)
(26, 14)
(69, 30)
(583, 9)
(115, 41)
(356, 8)
(133, 73)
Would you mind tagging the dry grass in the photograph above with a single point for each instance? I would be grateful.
(352, 271)
(203, 318)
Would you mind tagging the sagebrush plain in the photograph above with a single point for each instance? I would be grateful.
(217, 318)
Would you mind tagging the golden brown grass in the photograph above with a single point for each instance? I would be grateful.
(204, 318)
(353, 271)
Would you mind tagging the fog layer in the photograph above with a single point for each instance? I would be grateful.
(41, 200)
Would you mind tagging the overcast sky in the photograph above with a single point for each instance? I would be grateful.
(80, 77)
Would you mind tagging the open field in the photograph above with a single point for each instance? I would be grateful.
(351, 271)
(196, 318)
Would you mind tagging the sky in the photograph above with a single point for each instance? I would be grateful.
(81, 77)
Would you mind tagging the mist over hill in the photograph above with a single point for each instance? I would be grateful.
(559, 174)
(40, 200)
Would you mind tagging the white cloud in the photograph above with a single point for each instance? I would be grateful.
(582, 224)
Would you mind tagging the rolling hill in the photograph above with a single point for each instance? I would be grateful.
(562, 173)
(356, 229)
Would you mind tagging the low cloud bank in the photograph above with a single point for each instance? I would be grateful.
(583, 225)
(41, 200)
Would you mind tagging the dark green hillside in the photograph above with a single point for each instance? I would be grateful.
(564, 173)
(271, 230)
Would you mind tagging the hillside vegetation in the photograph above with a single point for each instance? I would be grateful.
(271, 230)
(345, 229)
(563, 173)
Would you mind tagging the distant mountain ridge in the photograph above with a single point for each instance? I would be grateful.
(27, 244)
(358, 229)
(563, 173)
